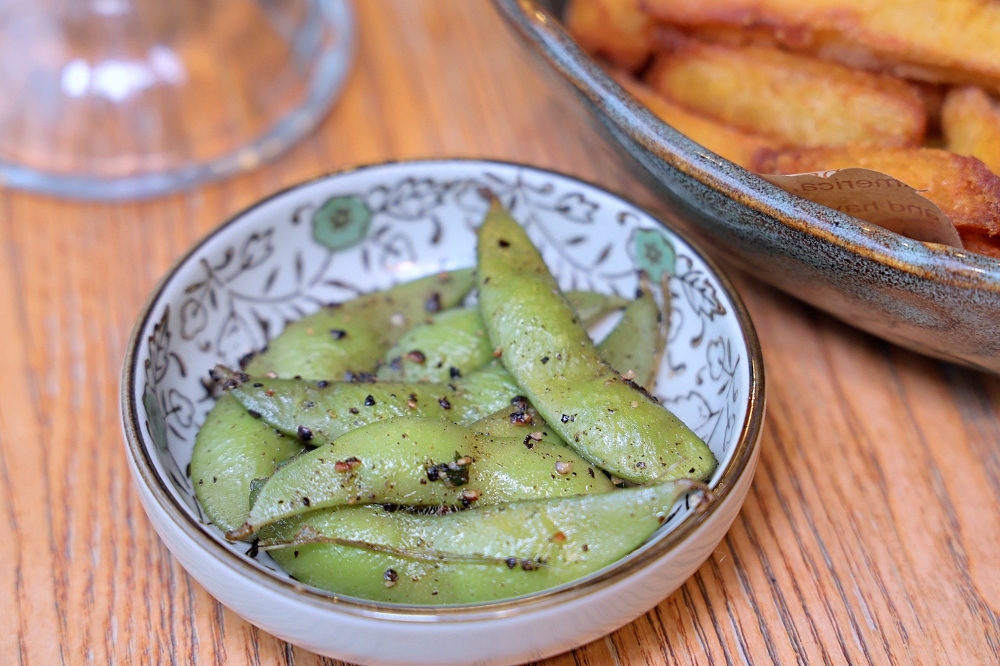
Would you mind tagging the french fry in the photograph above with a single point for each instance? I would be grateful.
(988, 245)
(616, 30)
(962, 187)
(728, 142)
(970, 121)
(941, 41)
(796, 99)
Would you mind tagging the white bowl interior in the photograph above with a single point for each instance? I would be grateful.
(244, 283)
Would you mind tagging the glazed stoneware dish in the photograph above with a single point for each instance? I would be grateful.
(268, 266)
(936, 300)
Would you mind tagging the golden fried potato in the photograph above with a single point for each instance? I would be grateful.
(962, 187)
(988, 245)
(728, 142)
(941, 41)
(796, 99)
(970, 121)
(613, 29)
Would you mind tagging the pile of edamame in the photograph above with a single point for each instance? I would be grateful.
(403, 448)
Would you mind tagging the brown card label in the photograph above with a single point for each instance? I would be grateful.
(874, 197)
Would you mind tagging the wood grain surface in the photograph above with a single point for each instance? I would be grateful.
(871, 534)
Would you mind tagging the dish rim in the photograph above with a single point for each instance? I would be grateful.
(548, 35)
(743, 455)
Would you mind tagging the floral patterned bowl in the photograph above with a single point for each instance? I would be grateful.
(364, 229)
(933, 299)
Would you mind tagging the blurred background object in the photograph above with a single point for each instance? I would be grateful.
(117, 99)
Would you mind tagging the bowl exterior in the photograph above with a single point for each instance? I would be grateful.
(934, 300)
(278, 260)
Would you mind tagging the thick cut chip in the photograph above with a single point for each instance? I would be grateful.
(970, 121)
(613, 29)
(942, 41)
(796, 99)
(962, 187)
(728, 142)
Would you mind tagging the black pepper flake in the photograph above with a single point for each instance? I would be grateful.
(566, 418)
(519, 401)
(338, 333)
(257, 385)
(590, 470)
(254, 413)
(304, 433)
(454, 473)
(545, 359)
(254, 549)
(243, 377)
(444, 403)
(391, 575)
(454, 372)
(433, 304)
(503, 243)
(396, 363)
(416, 356)
(322, 383)
(511, 562)
(295, 553)
(529, 442)
(586, 548)
(691, 471)
(306, 501)
(353, 410)
(370, 401)
(520, 418)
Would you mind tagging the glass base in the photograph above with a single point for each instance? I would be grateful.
(127, 99)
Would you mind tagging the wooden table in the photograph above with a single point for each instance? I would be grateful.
(871, 533)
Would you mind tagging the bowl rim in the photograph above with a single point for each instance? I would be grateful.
(547, 35)
(743, 454)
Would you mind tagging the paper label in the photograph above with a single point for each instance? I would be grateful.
(874, 197)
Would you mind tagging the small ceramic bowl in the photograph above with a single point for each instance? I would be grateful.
(936, 300)
(266, 266)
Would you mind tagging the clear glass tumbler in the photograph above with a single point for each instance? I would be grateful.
(118, 99)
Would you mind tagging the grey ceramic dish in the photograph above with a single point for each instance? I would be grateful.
(939, 301)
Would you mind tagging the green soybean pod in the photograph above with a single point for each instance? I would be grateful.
(483, 554)
(609, 420)
(637, 342)
(411, 461)
(231, 450)
(320, 411)
(453, 343)
(352, 337)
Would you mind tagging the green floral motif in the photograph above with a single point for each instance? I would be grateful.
(341, 222)
(654, 253)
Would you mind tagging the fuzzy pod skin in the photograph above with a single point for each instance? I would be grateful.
(231, 450)
(320, 412)
(483, 554)
(454, 343)
(353, 336)
(401, 461)
(611, 421)
(638, 341)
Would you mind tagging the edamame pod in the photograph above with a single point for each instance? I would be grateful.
(231, 450)
(352, 337)
(422, 462)
(454, 343)
(609, 420)
(320, 411)
(483, 554)
(636, 344)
